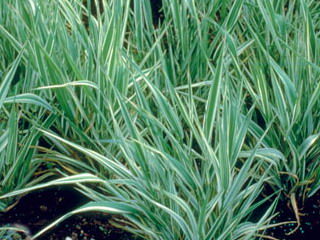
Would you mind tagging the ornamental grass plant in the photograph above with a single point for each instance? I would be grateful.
(177, 124)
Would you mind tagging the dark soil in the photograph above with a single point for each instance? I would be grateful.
(309, 217)
(36, 210)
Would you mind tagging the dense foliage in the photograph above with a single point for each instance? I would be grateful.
(176, 117)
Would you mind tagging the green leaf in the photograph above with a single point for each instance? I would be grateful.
(29, 98)
(213, 99)
(6, 82)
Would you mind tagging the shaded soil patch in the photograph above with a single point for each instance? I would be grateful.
(36, 210)
(310, 221)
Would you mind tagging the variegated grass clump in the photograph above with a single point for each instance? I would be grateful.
(181, 124)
